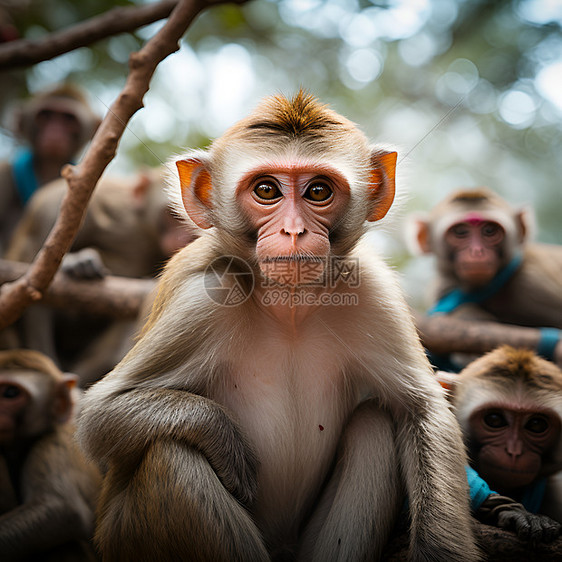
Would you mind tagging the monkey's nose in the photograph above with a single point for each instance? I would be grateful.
(514, 448)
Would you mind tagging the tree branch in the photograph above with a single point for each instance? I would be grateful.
(445, 334)
(16, 296)
(25, 52)
(115, 297)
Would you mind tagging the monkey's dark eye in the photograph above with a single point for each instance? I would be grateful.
(318, 193)
(460, 230)
(492, 232)
(495, 420)
(11, 391)
(537, 424)
(267, 191)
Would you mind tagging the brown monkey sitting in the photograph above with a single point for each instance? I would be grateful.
(55, 124)
(47, 489)
(487, 269)
(509, 405)
(278, 404)
(129, 230)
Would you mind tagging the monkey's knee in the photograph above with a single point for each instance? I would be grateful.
(174, 507)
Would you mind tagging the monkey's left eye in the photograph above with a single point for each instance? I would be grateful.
(491, 230)
(537, 424)
(319, 193)
(495, 420)
(11, 391)
(267, 191)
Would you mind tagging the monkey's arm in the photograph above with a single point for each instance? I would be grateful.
(122, 427)
(58, 491)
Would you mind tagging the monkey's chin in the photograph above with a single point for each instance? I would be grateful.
(293, 271)
(476, 276)
(504, 477)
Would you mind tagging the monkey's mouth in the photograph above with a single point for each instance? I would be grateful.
(294, 269)
(293, 258)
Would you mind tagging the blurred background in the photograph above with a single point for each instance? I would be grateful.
(468, 91)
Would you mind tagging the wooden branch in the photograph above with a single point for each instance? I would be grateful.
(115, 297)
(446, 334)
(25, 52)
(16, 296)
(496, 545)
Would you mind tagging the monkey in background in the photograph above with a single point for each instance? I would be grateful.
(262, 416)
(129, 230)
(509, 405)
(55, 125)
(486, 268)
(47, 489)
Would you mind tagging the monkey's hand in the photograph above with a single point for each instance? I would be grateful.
(84, 264)
(506, 513)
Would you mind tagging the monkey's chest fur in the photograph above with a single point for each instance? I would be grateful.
(292, 402)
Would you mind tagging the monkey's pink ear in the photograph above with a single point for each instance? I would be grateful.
(421, 240)
(447, 380)
(524, 219)
(196, 190)
(382, 182)
(64, 401)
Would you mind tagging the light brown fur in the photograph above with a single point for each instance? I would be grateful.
(533, 296)
(48, 489)
(122, 234)
(275, 433)
(519, 380)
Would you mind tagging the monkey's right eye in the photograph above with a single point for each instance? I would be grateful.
(495, 420)
(11, 391)
(460, 231)
(267, 191)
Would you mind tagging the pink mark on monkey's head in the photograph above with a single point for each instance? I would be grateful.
(473, 218)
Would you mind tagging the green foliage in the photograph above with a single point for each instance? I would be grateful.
(453, 83)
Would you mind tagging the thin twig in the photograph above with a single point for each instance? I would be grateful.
(16, 296)
(25, 52)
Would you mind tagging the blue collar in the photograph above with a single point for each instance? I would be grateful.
(449, 302)
(533, 495)
(24, 175)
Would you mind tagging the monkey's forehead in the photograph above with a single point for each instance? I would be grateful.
(480, 392)
(238, 160)
(33, 382)
(64, 105)
(457, 214)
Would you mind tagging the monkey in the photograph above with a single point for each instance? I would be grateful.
(48, 489)
(487, 268)
(129, 230)
(509, 406)
(55, 124)
(278, 404)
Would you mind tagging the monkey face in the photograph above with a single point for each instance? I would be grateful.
(13, 402)
(509, 444)
(293, 210)
(475, 247)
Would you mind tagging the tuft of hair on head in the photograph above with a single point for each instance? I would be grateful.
(28, 360)
(512, 363)
(301, 116)
(477, 196)
(471, 195)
